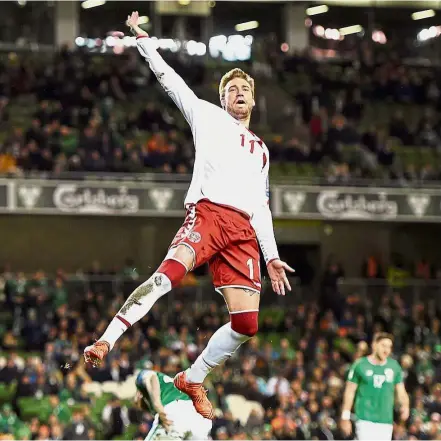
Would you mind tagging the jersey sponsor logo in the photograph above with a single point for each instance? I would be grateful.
(418, 203)
(369, 373)
(161, 198)
(29, 196)
(337, 205)
(294, 201)
(74, 199)
(194, 237)
(378, 381)
(389, 373)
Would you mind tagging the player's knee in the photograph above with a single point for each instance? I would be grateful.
(245, 322)
(174, 269)
(184, 254)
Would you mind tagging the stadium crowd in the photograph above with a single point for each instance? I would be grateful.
(295, 368)
(73, 111)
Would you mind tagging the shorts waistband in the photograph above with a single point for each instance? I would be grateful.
(228, 207)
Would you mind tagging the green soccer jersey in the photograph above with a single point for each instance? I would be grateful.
(375, 396)
(168, 391)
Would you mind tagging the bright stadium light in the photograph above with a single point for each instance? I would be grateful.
(247, 26)
(348, 30)
(315, 10)
(143, 19)
(92, 3)
(423, 14)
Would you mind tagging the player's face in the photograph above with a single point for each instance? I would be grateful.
(239, 100)
(383, 348)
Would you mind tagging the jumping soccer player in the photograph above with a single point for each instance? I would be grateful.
(175, 416)
(227, 207)
(372, 382)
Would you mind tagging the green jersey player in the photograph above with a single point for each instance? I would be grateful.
(373, 382)
(175, 416)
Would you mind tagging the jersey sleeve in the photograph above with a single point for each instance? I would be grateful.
(354, 374)
(398, 377)
(262, 222)
(184, 98)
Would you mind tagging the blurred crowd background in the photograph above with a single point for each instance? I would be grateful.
(341, 108)
(286, 383)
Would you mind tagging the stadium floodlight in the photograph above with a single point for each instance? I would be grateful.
(143, 19)
(247, 26)
(315, 10)
(348, 30)
(92, 3)
(420, 15)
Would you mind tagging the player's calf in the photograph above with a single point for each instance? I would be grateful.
(169, 274)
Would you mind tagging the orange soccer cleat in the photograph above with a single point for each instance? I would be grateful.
(197, 393)
(95, 353)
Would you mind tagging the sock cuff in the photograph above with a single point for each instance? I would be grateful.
(173, 269)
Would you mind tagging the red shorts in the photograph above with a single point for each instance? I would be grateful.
(226, 240)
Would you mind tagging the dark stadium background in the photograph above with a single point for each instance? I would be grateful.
(94, 165)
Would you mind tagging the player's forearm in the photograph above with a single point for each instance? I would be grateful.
(263, 225)
(172, 83)
(154, 390)
(348, 401)
(403, 399)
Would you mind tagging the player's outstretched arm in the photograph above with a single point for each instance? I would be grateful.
(403, 401)
(173, 84)
(151, 383)
(348, 401)
(263, 225)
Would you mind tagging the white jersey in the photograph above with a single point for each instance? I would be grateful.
(231, 163)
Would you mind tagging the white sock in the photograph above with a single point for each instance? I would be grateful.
(137, 306)
(221, 346)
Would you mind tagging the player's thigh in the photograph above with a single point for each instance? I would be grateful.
(199, 238)
(236, 275)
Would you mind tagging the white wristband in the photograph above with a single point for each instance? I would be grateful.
(346, 415)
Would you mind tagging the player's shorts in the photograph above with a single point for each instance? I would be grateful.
(225, 239)
(186, 423)
(367, 430)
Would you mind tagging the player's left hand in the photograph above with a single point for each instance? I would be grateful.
(166, 423)
(277, 273)
(404, 413)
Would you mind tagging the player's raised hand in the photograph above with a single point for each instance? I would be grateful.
(132, 23)
(277, 273)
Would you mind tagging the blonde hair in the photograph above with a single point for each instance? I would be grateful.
(234, 73)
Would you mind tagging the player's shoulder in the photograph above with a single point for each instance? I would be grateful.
(211, 108)
(144, 374)
(394, 363)
(360, 362)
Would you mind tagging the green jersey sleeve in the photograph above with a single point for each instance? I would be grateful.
(398, 374)
(354, 374)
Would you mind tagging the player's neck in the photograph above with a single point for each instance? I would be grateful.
(245, 122)
(375, 360)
